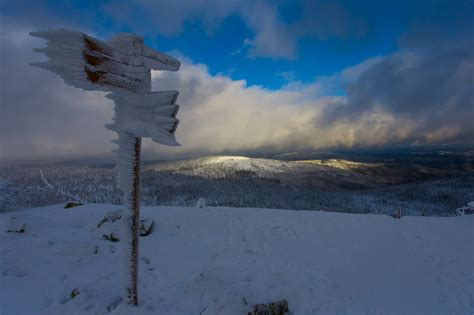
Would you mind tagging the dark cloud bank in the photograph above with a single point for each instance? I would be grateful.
(431, 89)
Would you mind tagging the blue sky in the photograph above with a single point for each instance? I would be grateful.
(358, 30)
(365, 72)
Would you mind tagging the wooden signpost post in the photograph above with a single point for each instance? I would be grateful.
(122, 66)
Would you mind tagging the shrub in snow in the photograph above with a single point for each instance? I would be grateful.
(274, 308)
(15, 226)
(72, 205)
(74, 293)
(111, 237)
(108, 227)
(22, 229)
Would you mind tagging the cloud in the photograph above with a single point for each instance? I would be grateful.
(324, 20)
(430, 87)
(404, 98)
(219, 114)
(273, 29)
(169, 17)
(273, 37)
(409, 97)
(40, 116)
(44, 118)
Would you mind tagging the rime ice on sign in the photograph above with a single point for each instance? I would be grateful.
(122, 66)
(151, 115)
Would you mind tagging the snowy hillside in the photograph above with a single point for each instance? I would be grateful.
(326, 177)
(225, 260)
(233, 181)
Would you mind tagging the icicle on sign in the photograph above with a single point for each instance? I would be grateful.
(122, 66)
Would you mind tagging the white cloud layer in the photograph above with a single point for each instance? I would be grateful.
(219, 114)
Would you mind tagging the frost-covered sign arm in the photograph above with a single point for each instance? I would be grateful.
(121, 65)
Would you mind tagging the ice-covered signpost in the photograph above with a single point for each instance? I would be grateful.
(122, 66)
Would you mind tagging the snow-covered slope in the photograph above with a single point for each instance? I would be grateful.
(224, 260)
(309, 174)
(331, 185)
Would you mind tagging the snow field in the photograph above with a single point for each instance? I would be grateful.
(225, 260)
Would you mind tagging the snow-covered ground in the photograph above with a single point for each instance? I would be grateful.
(225, 260)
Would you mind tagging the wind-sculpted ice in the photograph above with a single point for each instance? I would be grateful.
(121, 65)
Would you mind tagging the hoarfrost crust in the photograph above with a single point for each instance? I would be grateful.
(128, 171)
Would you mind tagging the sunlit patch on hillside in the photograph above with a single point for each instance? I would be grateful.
(220, 159)
(342, 164)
